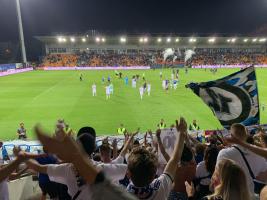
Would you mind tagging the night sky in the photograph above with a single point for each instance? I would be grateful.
(43, 17)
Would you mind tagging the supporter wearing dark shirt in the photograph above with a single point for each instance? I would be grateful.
(54, 190)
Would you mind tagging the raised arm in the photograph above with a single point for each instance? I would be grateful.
(178, 149)
(257, 150)
(6, 171)
(127, 145)
(68, 150)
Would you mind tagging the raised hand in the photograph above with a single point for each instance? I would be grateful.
(65, 148)
(181, 125)
(190, 189)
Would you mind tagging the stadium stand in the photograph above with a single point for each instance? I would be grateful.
(104, 58)
(148, 176)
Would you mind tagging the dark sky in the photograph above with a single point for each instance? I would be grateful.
(42, 17)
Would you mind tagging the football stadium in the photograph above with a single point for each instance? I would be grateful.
(131, 114)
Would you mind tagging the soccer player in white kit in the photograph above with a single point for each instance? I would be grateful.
(134, 83)
(164, 84)
(107, 92)
(94, 89)
(148, 89)
(141, 91)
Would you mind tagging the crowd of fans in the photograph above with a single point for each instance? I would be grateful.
(150, 58)
(216, 170)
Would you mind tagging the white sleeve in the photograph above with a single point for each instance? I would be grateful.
(59, 173)
(114, 172)
(221, 156)
(166, 183)
(198, 171)
(118, 160)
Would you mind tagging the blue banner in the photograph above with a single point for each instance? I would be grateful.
(233, 99)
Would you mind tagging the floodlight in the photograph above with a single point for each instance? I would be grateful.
(191, 40)
(97, 39)
(211, 40)
(83, 39)
(228, 40)
(72, 39)
(103, 39)
(262, 40)
(177, 40)
(168, 40)
(59, 39)
(245, 40)
(145, 39)
(254, 40)
(87, 48)
(141, 40)
(122, 39)
(233, 40)
(159, 40)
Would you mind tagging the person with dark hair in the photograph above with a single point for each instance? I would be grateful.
(199, 149)
(105, 153)
(67, 174)
(22, 132)
(186, 170)
(142, 168)
(204, 172)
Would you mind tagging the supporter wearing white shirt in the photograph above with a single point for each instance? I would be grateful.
(257, 164)
(159, 189)
(142, 168)
(66, 174)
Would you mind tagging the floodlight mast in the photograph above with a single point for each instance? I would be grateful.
(21, 35)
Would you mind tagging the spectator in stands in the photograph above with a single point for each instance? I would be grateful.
(230, 183)
(68, 175)
(204, 172)
(21, 132)
(199, 155)
(244, 158)
(53, 189)
(105, 153)
(142, 167)
(69, 151)
(186, 170)
(6, 171)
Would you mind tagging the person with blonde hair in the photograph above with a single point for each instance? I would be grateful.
(230, 183)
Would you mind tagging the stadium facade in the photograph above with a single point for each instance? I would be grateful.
(60, 44)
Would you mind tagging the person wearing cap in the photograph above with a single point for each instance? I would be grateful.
(121, 130)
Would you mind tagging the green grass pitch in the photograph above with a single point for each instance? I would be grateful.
(45, 96)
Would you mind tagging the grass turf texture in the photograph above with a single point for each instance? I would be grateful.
(45, 96)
